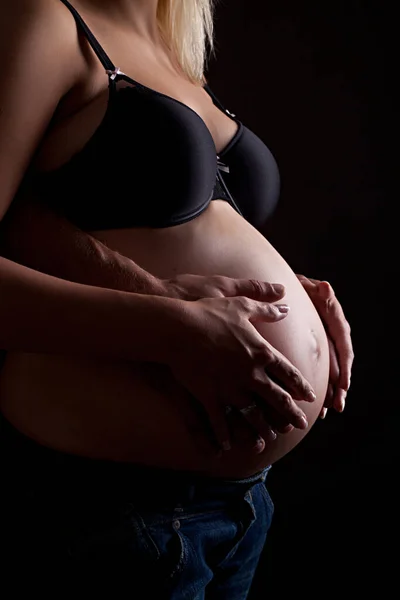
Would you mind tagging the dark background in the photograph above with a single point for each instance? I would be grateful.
(315, 80)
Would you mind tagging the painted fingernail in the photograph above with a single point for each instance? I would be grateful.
(283, 308)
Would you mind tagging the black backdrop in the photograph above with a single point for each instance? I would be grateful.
(314, 79)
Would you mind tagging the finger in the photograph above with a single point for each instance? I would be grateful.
(334, 375)
(323, 413)
(237, 404)
(217, 417)
(310, 285)
(199, 426)
(334, 369)
(262, 417)
(331, 312)
(255, 419)
(265, 312)
(276, 421)
(346, 359)
(339, 401)
(242, 404)
(338, 328)
(259, 290)
(279, 399)
(283, 372)
(204, 439)
(261, 432)
(330, 394)
(247, 436)
(315, 282)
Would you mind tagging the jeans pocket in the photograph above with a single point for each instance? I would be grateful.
(172, 548)
(138, 551)
(124, 540)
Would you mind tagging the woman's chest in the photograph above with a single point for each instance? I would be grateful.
(82, 112)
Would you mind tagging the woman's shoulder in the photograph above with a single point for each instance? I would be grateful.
(40, 34)
(39, 50)
(21, 18)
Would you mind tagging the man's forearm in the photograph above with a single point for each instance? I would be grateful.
(35, 236)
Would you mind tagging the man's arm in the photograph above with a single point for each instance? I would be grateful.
(37, 237)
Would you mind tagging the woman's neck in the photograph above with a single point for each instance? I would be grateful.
(138, 15)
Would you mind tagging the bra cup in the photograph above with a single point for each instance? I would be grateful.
(253, 178)
(151, 162)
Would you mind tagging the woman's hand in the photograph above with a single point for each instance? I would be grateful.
(339, 340)
(217, 354)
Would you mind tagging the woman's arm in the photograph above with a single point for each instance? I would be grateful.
(39, 313)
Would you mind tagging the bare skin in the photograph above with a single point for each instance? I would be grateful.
(140, 412)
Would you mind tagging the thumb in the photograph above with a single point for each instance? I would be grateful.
(269, 313)
(259, 290)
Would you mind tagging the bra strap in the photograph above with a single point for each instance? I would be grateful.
(97, 48)
(216, 101)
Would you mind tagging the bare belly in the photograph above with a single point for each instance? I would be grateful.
(137, 412)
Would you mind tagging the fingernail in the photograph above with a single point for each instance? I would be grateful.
(342, 405)
(304, 423)
(226, 446)
(259, 445)
(323, 413)
(283, 308)
(277, 288)
(312, 395)
(286, 429)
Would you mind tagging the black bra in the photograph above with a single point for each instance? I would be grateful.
(152, 162)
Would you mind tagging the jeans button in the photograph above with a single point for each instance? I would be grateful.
(176, 524)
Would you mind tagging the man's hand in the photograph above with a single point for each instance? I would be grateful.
(339, 339)
(195, 287)
(266, 418)
(217, 354)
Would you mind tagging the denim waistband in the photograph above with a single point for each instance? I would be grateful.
(26, 463)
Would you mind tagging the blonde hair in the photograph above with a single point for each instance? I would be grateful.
(187, 27)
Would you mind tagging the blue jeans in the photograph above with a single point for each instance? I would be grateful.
(75, 525)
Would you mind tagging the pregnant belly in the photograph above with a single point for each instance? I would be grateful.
(137, 412)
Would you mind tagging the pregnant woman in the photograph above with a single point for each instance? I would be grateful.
(143, 406)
